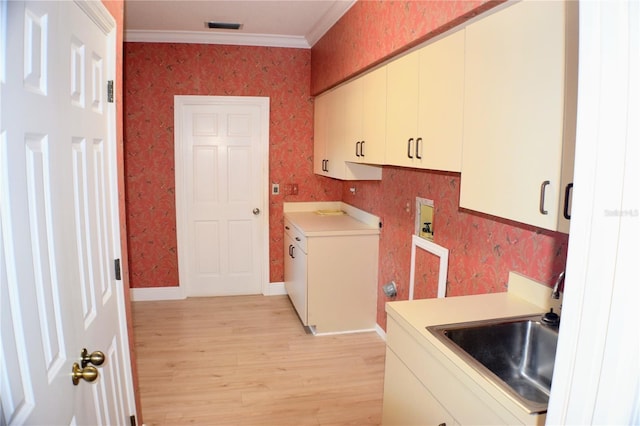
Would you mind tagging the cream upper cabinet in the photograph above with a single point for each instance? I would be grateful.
(424, 106)
(365, 116)
(320, 137)
(328, 152)
(333, 123)
(519, 113)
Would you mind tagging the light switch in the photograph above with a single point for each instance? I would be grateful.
(275, 188)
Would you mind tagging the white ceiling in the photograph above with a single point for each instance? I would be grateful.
(281, 23)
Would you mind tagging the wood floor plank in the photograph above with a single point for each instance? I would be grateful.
(246, 360)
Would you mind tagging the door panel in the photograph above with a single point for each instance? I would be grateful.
(221, 145)
(36, 330)
(58, 215)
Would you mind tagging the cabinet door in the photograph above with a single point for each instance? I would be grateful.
(336, 143)
(402, 110)
(342, 282)
(295, 276)
(514, 113)
(406, 401)
(352, 117)
(374, 117)
(424, 106)
(320, 136)
(441, 92)
(329, 127)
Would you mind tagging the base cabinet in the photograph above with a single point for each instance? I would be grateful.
(295, 275)
(407, 401)
(430, 389)
(332, 280)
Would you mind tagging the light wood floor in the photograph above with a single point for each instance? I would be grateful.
(246, 360)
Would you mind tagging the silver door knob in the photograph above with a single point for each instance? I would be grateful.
(256, 211)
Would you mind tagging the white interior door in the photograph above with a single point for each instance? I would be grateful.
(59, 218)
(222, 219)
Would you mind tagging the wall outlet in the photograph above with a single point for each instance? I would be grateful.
(275, 188)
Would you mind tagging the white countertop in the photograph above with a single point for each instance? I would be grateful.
(312, 224)
(427, 312)
(525, 297)
(306, 218)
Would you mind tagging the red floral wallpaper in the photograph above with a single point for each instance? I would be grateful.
(375, 30)
(154, 73)
(482, 249)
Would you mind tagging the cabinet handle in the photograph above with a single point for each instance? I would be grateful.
(297, 238)
(567, 192)
(543, 188)
(361, 148)
(442, 424)
(326, 165)
(292, 249)
(286, 227)
(418, 156)
(409, 148)
(357, 151)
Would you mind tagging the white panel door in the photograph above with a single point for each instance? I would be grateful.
(221, 147)
(59, 218)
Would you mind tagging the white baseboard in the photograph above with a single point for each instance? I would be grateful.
(177, 293)
(381, 332)
(157, 293)
(275, 289)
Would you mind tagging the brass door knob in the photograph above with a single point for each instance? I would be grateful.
(88, 373)
(96, 358)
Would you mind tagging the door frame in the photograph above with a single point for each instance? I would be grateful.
(595, 377)
(180, 101)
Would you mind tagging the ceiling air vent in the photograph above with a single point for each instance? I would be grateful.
(223, 25)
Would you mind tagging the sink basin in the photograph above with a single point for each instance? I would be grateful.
(516, 354)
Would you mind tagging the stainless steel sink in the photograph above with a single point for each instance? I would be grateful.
(516, 354)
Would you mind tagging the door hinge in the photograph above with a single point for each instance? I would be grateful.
(110, 91)
(133, 420)
(118, 271)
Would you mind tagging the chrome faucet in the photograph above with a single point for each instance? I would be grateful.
(555, 294)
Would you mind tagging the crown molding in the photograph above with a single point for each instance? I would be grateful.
(328, 20)
(201, 37)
